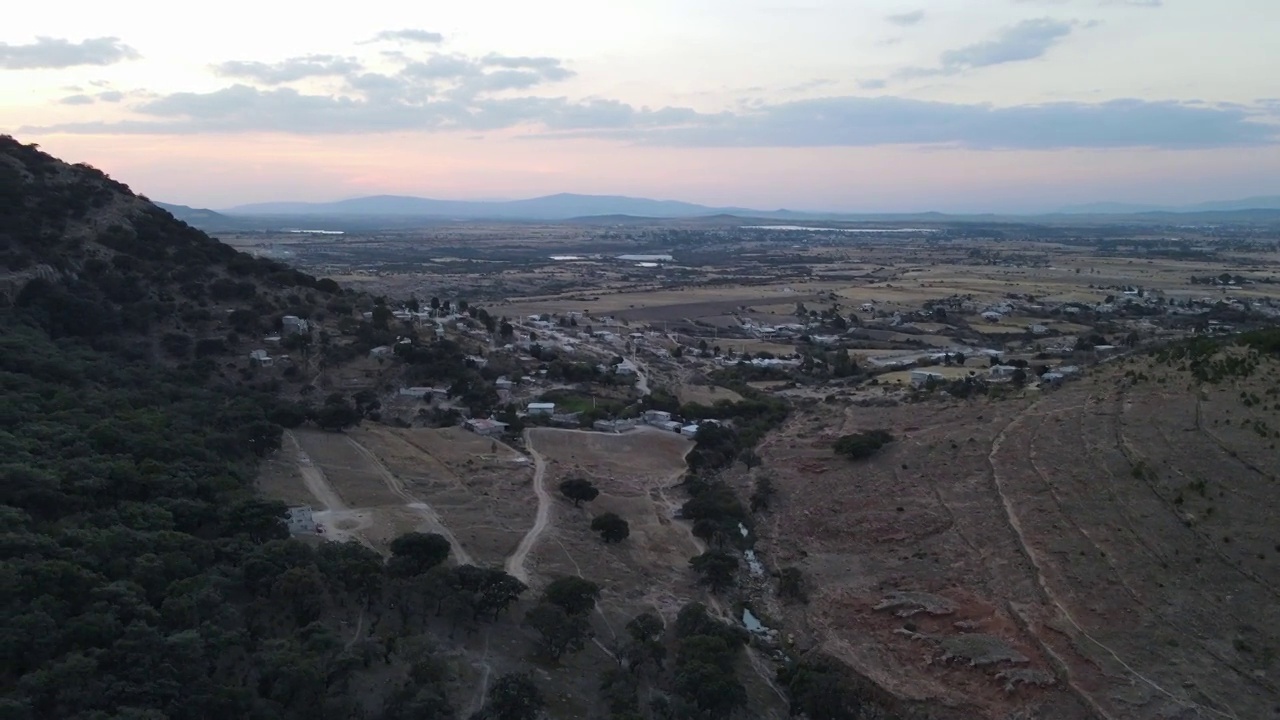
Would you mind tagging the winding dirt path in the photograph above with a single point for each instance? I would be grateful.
(515, 563)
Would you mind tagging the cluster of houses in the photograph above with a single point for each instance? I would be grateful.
(924, 378)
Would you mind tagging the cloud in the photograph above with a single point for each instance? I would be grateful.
(1027, 40)
(1134, 3)
(872, 84)
(417, 36)
(54, 53)
(290, 70)
(907, 19)
(110, 96)
(391, 106)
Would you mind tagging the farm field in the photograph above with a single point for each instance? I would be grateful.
(372, 484)
(1107, 534)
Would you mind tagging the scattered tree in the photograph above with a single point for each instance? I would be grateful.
(612, 528)
(716, 568)
(579, 491)
(415, 553)
(576, 595)
(560, 631)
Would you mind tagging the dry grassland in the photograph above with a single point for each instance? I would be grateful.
(1112, 539)
(703, 395)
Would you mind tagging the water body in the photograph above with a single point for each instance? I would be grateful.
(647, 258)
(318, 232)
(752, 623)
(831, 229)
(566, 258)
(648, 265)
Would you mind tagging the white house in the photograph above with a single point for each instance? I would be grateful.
(260, 357)
(626, 367)
(1002, 371)
(541, 408)
(992, 316)
(1037, 329)
(415, 392)
(689, 431)
(293, 325)
(921, 378)
(669, 426)
(300, 520)
(653, 417)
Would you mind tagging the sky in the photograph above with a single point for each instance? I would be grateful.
(849, 105)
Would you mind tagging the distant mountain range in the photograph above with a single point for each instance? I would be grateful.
(393, 211)
(1265, 202)
(550, 207)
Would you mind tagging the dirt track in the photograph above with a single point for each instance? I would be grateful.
(515, 563)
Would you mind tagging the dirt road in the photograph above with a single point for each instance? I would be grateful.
(313, 476)
(394, 484)
(515, 563)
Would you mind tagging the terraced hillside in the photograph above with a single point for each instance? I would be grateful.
(1104, 549)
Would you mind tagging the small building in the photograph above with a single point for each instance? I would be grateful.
(992, 316)
(613, 426)
(260, 357)
(1052, 378)
(294, 325)
(503, 383)
(485, 427)
(415, 392)
(382, 351)
(541, 408)
(921, 378)
(654, 417)
(1003, 371)
(626, 367)
(668, 425)
(1037, 329)
(689, 431)
(299, 520)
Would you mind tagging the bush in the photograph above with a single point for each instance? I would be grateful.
(860, 446)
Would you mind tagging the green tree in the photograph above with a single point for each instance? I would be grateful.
(560, 632)
(487, 591)
(512, 697)
(416, 553)
(612, 528)
(716, 568)
(579, 491)
(576, 595)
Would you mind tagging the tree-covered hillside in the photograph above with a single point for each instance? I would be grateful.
(140, 577)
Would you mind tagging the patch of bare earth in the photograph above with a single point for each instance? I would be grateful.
(1070, 579)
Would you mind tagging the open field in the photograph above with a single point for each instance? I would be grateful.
(375, 483)
(1103, 535)
(704, 395)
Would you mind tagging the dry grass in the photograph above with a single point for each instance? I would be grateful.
(703, 395)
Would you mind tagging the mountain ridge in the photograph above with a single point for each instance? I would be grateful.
(564, 206)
